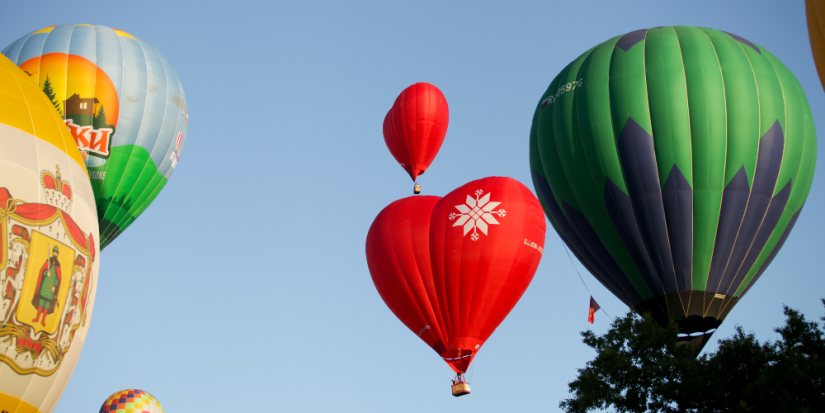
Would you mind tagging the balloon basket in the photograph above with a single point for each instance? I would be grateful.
(417, 189)
(460, 389)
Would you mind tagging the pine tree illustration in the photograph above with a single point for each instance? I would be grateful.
(47, 89)
(99, 121)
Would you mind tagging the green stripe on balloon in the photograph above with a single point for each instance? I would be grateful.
(116, 206)
(708, 130)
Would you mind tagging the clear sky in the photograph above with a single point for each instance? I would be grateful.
(245, 287)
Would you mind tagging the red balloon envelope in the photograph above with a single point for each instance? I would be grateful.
(452, 268)
(415, 127)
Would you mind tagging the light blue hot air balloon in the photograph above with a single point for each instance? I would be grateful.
(122, 102)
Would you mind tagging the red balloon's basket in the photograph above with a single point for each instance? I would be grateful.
(460, 389)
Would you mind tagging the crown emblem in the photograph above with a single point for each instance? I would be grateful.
(58, 192)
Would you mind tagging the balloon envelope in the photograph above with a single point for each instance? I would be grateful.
(131, 401)
(815, 13)
(123, 104)
(452, 268)
(48, 248)
(674, 162)
(415, 127)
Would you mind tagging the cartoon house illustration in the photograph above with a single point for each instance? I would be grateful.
(75, 105)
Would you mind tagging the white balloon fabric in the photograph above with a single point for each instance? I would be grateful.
(49, 244)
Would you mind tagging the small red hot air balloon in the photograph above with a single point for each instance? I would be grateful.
(415, 127)
(452, 268)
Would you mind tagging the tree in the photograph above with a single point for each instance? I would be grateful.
(49, 91)
(99, 121)
(639, 367)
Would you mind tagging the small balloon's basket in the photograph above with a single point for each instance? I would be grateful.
(460, 387)
(417, 189)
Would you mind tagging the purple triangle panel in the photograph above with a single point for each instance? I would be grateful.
(734, 202)
(638, 158)
(775, 210)
(678, 201)
(620, 209)
(775, 250)
(745, 41)
(615, 279)
(630, 39)
(768, 163)
(588, 249)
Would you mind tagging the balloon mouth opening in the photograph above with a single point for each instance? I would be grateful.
(687, 336)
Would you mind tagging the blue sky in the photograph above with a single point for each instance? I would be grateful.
(244, 287)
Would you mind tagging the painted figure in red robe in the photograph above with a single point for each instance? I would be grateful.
(48, 285)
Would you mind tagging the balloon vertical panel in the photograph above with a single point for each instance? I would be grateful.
(708, 129)
(49, 251)
(124, 105)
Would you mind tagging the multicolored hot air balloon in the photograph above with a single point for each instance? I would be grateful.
(452, 268)
(124, 106)
(131, 401)
(48, 248)
(415, 127)
(674, 162)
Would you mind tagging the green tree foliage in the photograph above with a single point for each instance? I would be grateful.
(99, 121)
(639, 367)
(49, 91)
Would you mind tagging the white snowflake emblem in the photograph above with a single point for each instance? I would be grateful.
(476, 214)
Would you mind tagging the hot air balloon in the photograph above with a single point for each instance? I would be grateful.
(48, 248)
(415, 127)
(124, 106)
(131, 401)
(815, 13)
(452, 268)
(674, 162)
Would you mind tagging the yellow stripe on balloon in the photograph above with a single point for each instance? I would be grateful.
(41, 119)
(121, 33)
(13, 404)
(44, 30)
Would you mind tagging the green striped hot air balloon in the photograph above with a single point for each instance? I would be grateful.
(674, 162)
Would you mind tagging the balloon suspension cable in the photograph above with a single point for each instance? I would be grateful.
(579, 274)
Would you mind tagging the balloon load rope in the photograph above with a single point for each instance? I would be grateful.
(579, 274)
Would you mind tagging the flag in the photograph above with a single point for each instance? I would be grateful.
(594, 306)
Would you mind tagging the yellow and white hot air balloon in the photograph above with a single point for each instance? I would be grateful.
(48, 247)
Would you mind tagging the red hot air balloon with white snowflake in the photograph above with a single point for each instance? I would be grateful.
(415, 127)
(452, 268)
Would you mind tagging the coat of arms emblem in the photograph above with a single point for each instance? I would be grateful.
(45, 277)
